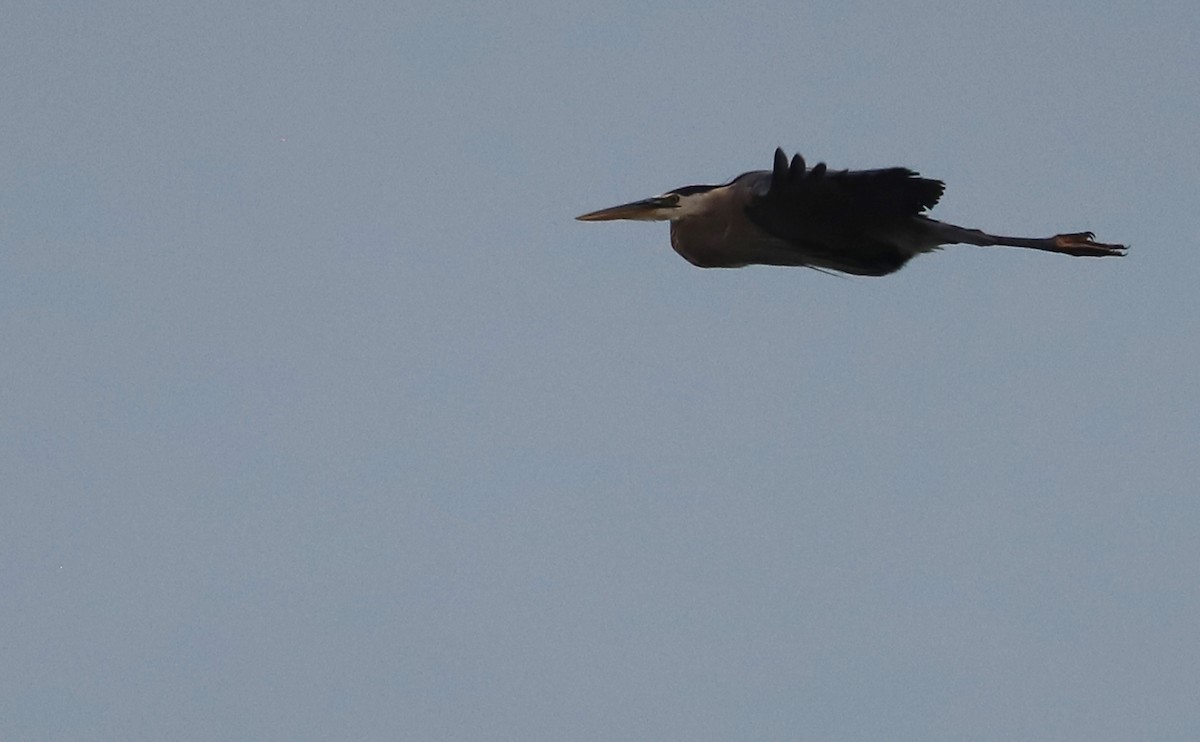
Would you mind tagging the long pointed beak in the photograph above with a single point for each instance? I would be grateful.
(648, 209)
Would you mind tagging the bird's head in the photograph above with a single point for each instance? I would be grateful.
(670, 206)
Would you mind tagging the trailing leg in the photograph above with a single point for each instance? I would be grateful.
(1080, 244)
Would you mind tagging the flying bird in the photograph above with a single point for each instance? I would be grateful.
(862, 222)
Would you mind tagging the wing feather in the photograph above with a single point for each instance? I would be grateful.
(837, 218)
(798, 198)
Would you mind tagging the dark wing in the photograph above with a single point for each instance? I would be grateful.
(860, 196)
(825, 213)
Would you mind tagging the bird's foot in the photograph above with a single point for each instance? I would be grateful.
(1082, 244)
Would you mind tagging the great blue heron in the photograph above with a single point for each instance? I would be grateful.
(865, 222)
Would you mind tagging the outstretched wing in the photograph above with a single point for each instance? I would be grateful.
(799, 200)
(840, 219)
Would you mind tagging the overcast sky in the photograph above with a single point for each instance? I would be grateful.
(321, 418)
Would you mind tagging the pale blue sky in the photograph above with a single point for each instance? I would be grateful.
(321, 418)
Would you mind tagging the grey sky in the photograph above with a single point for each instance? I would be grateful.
(320, 417)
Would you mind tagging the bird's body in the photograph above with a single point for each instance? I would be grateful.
(863, 222)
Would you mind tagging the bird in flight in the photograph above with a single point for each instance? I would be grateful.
(862, 222)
